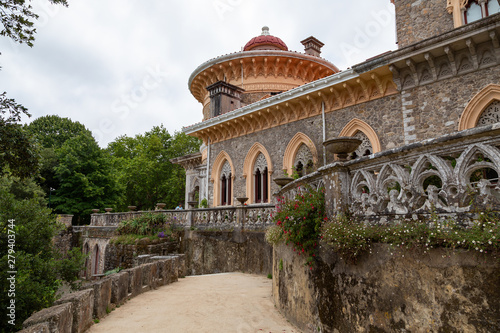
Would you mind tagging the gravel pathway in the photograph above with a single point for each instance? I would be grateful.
(229, 302)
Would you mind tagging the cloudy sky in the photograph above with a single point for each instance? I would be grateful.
(121, 67)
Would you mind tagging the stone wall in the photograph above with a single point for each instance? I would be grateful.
(435, 109)
(440, 291)
(417, 20)
(123, 255)
(75, 312)
(209, 252)
(384, 115)
(63, 241)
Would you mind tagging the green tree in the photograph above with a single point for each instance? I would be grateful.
(84, 176)
(17, 19)
(17, 153)
(144, 169)
(50, 133)
(39, 267)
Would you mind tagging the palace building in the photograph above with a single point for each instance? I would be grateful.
(266, 110)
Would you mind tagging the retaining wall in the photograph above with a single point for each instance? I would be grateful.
(75, 312)
(434, 292)
(209, 252)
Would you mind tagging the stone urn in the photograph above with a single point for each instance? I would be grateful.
(282, 181)
(161, 205)
(132, 208)
(192, 204)
(342, 146)
(242, 200)
(108, 210)
(95, 211)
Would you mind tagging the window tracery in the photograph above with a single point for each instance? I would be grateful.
(303, 161)
(261, 179)
(225, 180)
(365, 148)
(490, 115)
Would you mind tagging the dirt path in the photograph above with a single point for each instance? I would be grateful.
(232, 302)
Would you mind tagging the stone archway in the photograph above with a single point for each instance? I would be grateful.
(217, 173)
(479, 104)
(357, 125)
(293, 148)
(253, 154)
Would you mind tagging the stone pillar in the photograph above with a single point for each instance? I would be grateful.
(337, 183)
(241, 212)
(190, 218)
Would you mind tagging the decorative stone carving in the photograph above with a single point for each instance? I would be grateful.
(409, 72)
(305, 157)
(397, 187)
(365, 148)
(226, 170)
(490, 115)
(260, 163)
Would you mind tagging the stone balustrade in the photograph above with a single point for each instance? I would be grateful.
(249, 217)
(454, 175)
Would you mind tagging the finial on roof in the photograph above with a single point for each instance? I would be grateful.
(265, 31)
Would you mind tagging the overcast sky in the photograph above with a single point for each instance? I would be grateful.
(121, 67)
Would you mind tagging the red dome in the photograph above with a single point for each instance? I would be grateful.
(265, 42)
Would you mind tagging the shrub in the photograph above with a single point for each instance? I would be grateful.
(350, 238)
(204, 203)
(274, 235)
(148, 224)
(300, 220)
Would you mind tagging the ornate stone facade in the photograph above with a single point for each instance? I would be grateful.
(441, 80)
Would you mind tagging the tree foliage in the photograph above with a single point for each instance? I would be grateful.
(17, 152)
(74, 166)
(144, 169)
(84, 176)
(52, 131)
(40, 269)
(17, 18)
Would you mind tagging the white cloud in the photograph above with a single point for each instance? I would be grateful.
(94, 53)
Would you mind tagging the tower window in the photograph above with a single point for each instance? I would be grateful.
(477, 9)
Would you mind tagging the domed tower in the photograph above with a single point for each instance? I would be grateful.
(264, 68)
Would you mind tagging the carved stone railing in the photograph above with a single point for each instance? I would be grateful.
(178, 217)
(252, 217)
(313, 180)
(454, 175)
(258, 217)
(220, 218)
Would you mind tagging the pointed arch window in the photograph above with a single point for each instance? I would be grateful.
(261, 180)
(303, 161)
(86, 252)
(365, 148)
(226, 179)
(95, 268)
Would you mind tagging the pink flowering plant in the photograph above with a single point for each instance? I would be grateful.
(298, 222)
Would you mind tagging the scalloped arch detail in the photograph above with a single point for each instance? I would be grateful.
(293, 147)
(248, 165)
(216, 174)
(476, 106)
(356, 125)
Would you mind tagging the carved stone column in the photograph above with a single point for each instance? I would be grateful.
(337, 182)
